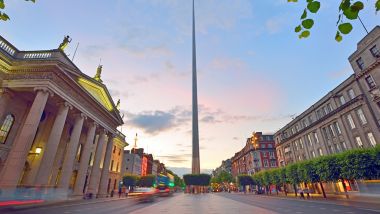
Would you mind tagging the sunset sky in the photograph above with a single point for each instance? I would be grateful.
(254, 74)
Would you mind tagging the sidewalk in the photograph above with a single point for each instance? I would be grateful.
(329, 197)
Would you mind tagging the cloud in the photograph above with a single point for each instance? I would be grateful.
(274, 25)
(180, 158)
(179, 117)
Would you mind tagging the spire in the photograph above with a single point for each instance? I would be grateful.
(195, 161)
(98, 74)
(135, 146)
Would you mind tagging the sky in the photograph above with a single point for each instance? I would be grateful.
(254, 74)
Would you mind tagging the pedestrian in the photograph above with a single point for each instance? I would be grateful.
(119, 192)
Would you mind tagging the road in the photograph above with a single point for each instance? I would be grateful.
(214, 203)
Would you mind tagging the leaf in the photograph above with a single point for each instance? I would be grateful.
(345, 28)
(292, 0)
(2, 5)
(351, 14)
(4, 17)
(377, 5)
(345, 4)
(308, 23)
(304, 14)
(298, 29)
(314, 6)
(357, 6)
(338, 37)
(305, 34)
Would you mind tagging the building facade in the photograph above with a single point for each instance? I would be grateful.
(346, 118)
(115, 175)
(257, 155)
(131, 163)
(225, 166)
(57, 125)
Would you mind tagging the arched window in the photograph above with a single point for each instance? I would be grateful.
(6, 127)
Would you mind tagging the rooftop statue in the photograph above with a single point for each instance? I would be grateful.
(98, 73)
(65, 42)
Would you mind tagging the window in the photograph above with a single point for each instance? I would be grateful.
(331, 129)
(296, 144)
(351, 93)
(375, 51)
(359, 142)
(297, 129)
(343, 145)
(301, 143)
(363, 120)
(119, 151)
(320, 152)
(371, 139)
(6, 127)
(271, 154)
(331, 149)
(342, 100)
(370, 82)
(264, 154)
(114, 149)
(329, 108)
(313, 154)
(273, 163)
(310, 141)
(310, 119)
(266, 163)
(270, 145)
(316, 137)
(337, 148)
(351, 121)
(299, 157)
(324, 131)
(337, 128)
(360, 63)
(111, 168)
(117, 167)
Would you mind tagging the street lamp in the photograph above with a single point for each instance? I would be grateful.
(254, 139)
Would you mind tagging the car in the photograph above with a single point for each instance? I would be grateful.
(143, 194)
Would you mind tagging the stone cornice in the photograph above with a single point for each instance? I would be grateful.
(321, 120)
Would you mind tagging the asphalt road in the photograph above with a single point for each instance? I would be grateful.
(108, 207)
(213, 203)
(291, 205)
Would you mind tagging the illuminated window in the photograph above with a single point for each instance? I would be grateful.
(6, 127)
(363, 120)
(351, 121)
(359, 142)
(371, 139)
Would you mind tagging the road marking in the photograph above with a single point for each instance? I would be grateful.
(322, 208)
(336, 210)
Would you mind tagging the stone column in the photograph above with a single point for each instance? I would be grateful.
(83, 166)
(48, 157)
(95, 172)
(71, 151)
(106, 168)
(15, 162)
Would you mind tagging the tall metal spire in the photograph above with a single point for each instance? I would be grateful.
(195, 162)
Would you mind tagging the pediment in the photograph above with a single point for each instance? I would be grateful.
(98, 92)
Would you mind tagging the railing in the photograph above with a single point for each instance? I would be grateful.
(7, 48)
(37, 55)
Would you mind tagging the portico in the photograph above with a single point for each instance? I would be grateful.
(57, 124)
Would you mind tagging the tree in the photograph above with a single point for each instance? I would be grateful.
(4, 16)
(244, 180)
(225, 176)
(292, 176)
(267, 180)
(348, 12)
(130, 180)
(275, 176)
(147, 181)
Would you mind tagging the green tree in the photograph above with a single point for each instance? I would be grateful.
(267, 181)
(147, 181)
(130, 180)
(226, 177)
(292, 176)
(244, 180)
(275, 176)
(4, 16)
(348, 12)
